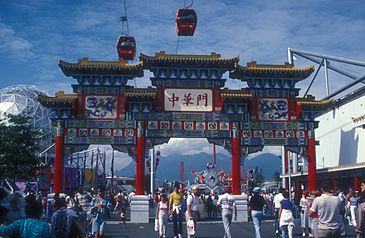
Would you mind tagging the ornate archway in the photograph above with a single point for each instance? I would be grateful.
(188, 100)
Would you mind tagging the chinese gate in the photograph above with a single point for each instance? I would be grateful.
(188, 100)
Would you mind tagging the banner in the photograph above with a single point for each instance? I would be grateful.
(188, 100)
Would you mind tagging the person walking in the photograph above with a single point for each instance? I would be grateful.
(215, 206)
(175, 208)
(313, 219)
(360, 219)
(328, 208)
(100, 211)
(256, 204)
(226, 201)
(162, 214)
(304, 218)
(352, 205)
(192, 207)
(276, 200)
(82, 202)
(64, 221)
(209, 206)
(286, 218)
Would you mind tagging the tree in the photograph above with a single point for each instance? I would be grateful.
(259, 175)
(18, 146)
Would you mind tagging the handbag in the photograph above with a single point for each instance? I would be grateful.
(190, 227)
(156, 225)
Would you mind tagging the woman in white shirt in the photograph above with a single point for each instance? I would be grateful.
(228, 205)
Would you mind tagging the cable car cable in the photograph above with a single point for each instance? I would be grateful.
(126, 17)
(192, 1)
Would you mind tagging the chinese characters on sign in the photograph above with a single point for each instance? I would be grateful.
(199, 100)
(273, 109)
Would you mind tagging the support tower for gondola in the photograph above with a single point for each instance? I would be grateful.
(126, 44)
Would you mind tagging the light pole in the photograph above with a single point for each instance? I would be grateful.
(152, 155)
(112, 170)
(289, 172)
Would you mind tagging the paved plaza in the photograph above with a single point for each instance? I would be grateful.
(205, 229)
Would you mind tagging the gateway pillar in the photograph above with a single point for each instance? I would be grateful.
(312, 169)
(357, 186)
(236, 173)
(140, 159)
(139, 203)
(241, 200)
(59, 163)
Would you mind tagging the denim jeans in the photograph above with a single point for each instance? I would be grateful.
(287, 231)
(177, 218)
(277, 228)
(257, 218)
(227, 219)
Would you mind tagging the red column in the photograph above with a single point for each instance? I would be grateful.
(312, 170)
(357, 183)
(236, 173)
(334, 183)
(140, 154)
(59, 164)
(298, 188)
(298, 191)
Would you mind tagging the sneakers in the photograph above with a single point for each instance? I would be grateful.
(303, 234)
(179, 235)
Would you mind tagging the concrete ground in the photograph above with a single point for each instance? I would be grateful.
(205, 229)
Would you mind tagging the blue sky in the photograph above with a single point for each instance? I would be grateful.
(35, 34)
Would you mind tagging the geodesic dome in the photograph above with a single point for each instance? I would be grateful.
(22, 100)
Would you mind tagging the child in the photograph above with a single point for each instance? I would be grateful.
(162, 214)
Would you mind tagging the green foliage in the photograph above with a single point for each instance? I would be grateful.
(259, 176)
(17, 148)
(277, 177)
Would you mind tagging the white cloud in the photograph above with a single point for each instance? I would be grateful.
(190, 146)
(276, 150)
(184, 146)
(14, 46)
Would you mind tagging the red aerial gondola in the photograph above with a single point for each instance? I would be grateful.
(126, 46)
(186, 20)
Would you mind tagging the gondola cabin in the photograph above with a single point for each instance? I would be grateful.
(186, 20)
(126, 46)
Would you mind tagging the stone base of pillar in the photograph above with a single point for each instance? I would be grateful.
(242, 209)
(139, 209)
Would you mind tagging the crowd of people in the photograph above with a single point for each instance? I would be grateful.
(191, 206)
(78, 214)
(326, 213)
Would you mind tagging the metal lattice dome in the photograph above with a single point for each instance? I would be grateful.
(22, 100)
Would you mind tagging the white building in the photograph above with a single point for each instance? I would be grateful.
(340, 154)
